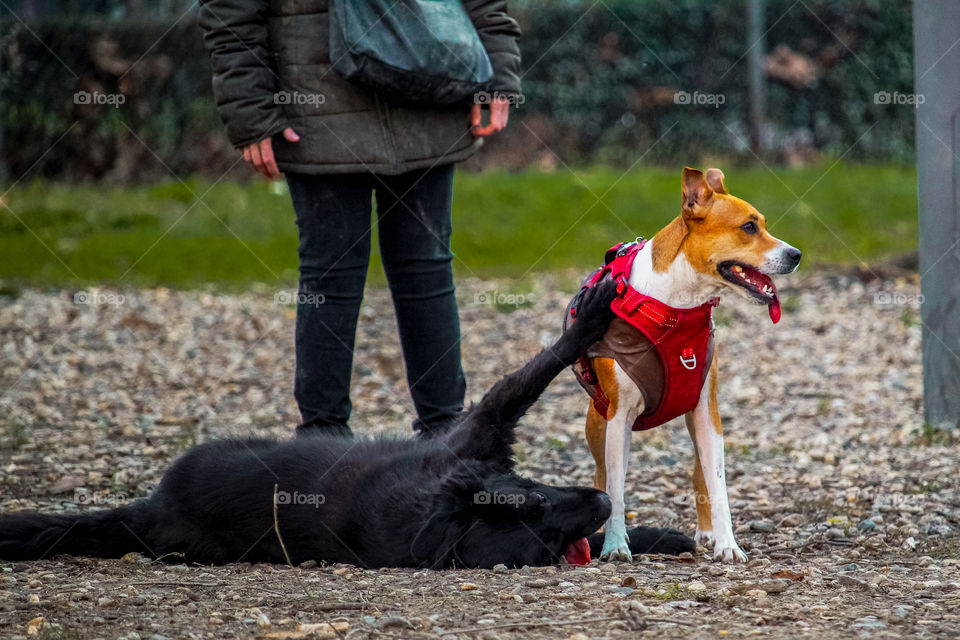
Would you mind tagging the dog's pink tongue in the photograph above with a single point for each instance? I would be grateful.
(578, 552)
(774, 309)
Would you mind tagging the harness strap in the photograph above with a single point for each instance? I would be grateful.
(682, 338)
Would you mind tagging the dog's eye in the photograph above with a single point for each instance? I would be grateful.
(749, 227)
(538, 498)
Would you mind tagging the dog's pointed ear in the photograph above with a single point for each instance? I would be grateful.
(715, 180)
(696, 192)
(455, 497)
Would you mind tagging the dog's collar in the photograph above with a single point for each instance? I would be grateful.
(618, 263)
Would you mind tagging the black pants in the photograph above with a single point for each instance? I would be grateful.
(333, 217)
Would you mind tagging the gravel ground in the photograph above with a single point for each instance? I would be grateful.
(847, 507)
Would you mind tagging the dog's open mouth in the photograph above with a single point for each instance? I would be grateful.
(578, 552)
(757, 284)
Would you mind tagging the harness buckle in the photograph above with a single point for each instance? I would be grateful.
(688, 359)
(622, 285)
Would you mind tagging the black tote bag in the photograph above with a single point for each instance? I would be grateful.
(425, 51)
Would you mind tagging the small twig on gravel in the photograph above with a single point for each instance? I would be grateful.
(559, 623)
(276, 528)
(173, 583)
(339, 606)
(377, 632)
(787, 547)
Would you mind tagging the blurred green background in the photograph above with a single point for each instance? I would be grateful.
(506, 224)
(151, 193)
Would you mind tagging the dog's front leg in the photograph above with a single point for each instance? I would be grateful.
(714, 525)
(487, 431)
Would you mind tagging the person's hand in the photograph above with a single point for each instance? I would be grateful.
(260, 155)
(499, 113)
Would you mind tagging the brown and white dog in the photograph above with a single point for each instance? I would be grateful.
(719, 241)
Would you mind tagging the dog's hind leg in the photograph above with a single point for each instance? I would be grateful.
(619, 429)
(597, 441)
(714, 525)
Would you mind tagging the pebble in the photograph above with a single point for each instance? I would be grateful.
(901, 611)
(763, 526)
(395, 622)
(792, 520)
(868, 623)
(500, 568)
(696, 586)
(834, 532)
(777, 585)
(865, 526)
(538, 584)
(468, 586)
(850, 581)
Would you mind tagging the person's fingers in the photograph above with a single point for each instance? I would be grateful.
(255, 158)
(476, 118)
(291, 135)
(269, 163)
(246, 154)
(499, 113)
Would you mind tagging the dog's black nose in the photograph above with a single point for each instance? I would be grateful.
(602, 505)
(794, 255)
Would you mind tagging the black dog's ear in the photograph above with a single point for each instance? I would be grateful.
(454, 499)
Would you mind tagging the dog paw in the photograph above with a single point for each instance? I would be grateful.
(594, 314)
(704, 539)
(731, 554)
(614, 551)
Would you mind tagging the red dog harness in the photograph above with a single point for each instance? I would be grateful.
(682, 338)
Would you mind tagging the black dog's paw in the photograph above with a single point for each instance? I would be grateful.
(594, 313)
(659, 540)
(662, 540)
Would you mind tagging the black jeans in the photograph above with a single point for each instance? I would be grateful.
(333, 217)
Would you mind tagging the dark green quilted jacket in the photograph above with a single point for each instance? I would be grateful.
(271, 61)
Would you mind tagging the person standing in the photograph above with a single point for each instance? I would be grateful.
(339, 145)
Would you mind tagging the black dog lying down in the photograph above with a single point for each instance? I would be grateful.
(450, 501)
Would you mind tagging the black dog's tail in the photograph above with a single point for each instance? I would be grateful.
(105, 534)
(649, 540)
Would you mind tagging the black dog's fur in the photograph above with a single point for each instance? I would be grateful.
(449, 501)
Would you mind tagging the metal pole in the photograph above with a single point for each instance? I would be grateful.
(757, 97)
(936, 60)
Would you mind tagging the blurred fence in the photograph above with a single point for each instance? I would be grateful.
(606, 81)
